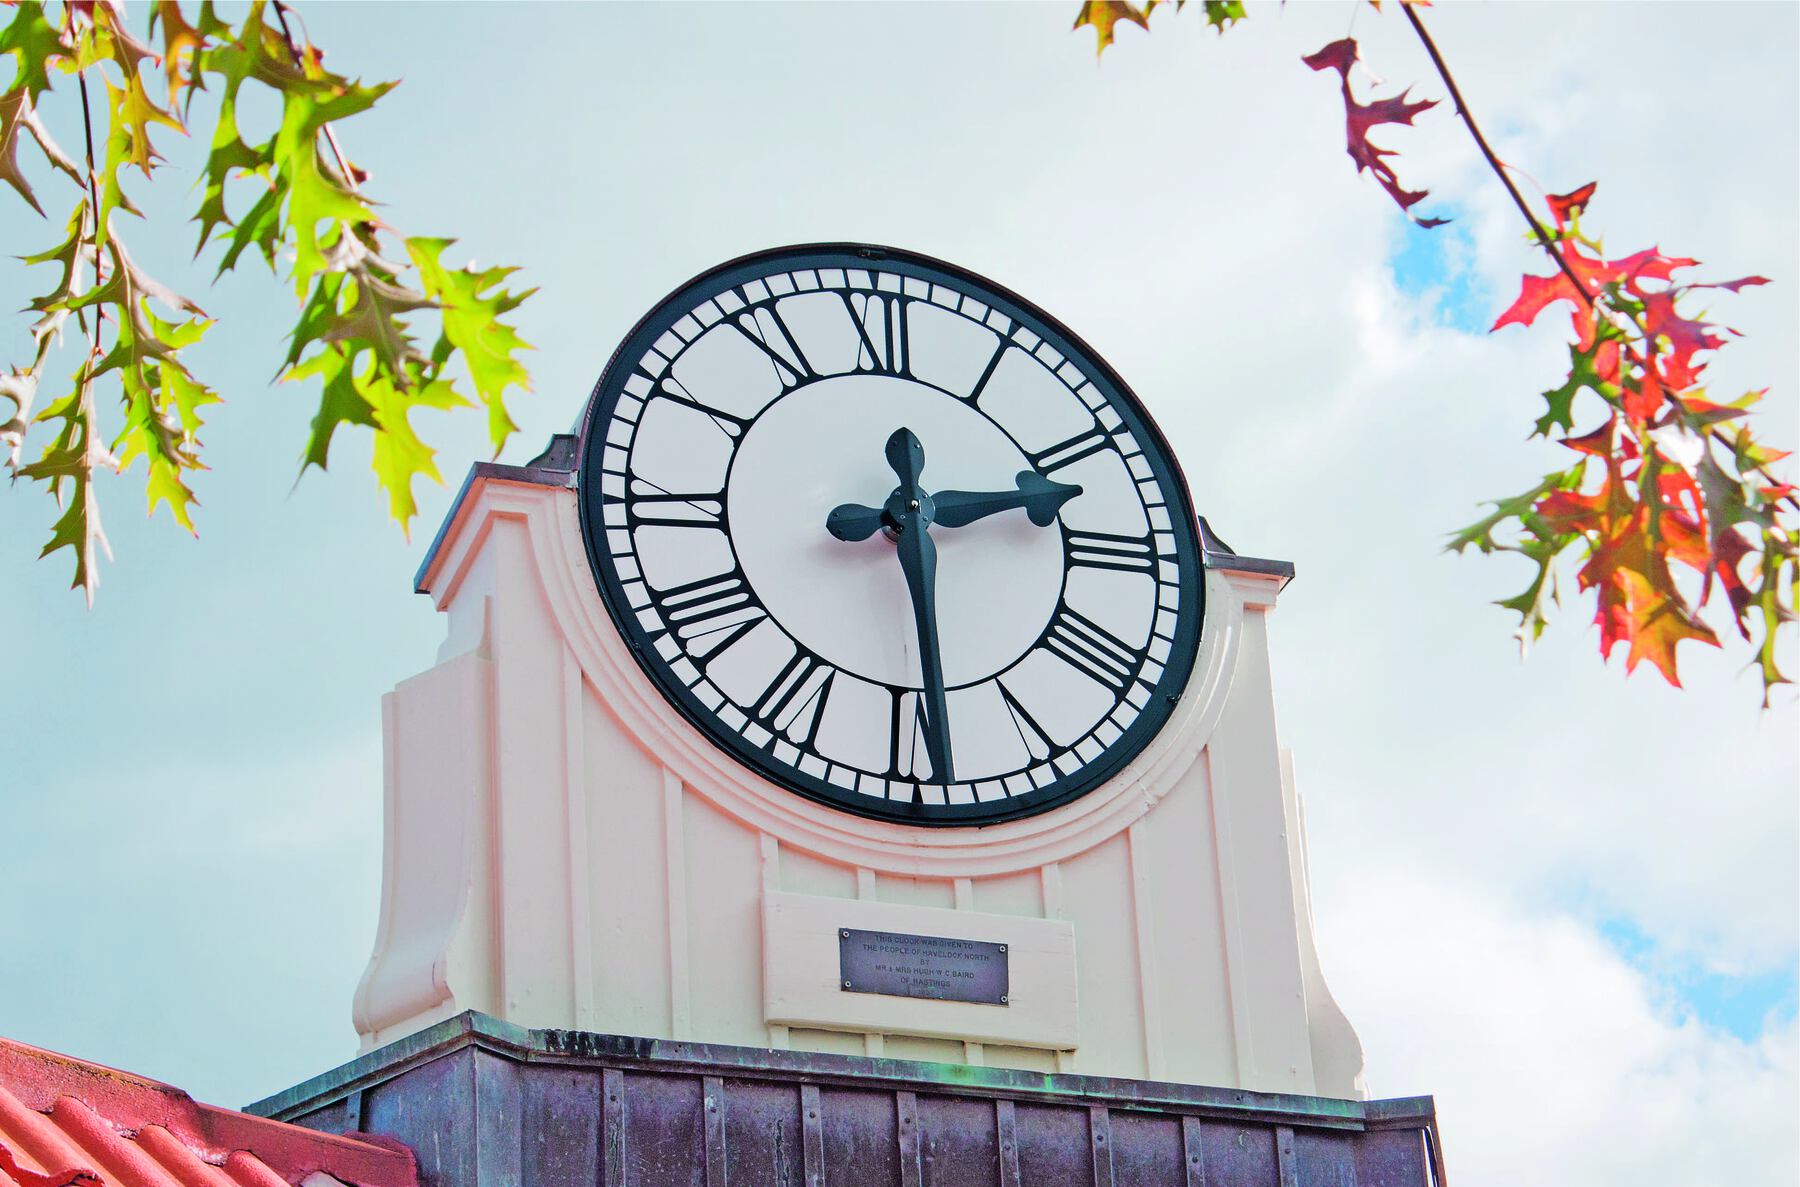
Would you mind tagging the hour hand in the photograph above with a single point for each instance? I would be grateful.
(907, 458)
(1040, 497)
(853, 521)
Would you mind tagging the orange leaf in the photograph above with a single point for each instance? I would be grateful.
(1104, 14)
(1649, 622)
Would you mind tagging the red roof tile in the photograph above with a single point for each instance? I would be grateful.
(63, 1121)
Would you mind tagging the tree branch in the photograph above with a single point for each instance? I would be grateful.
(1543, 237)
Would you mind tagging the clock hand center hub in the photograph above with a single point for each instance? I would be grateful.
(905, 507)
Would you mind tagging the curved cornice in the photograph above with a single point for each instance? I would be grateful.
(549, 516)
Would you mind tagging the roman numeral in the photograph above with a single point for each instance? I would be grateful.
(1067, 453)
(670, 389)
(1091, 649)
(710, 614)
(794, 703)
(765, 329)
(649, 504)
(1103, 550)
(881, 324)
(1038, 742)
(908, 761)
(987, 372)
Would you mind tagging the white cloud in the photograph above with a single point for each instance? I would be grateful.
(1551, 1058)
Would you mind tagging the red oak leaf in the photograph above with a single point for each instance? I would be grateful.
(1729, 549)
(1339, 56)
(1570, 205)
(1362, 118)
(1566, 511)
(1643, 397)
(1686, 337)
(1650, 622)
(1684, 540)
(1598, 443)
(1732, 286)
(1538, 292)
(1708, 411)
(1649, 264)
(1606, 361)
(1628, 567)
(1679, 487)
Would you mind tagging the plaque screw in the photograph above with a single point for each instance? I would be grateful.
(846, 985)
(845, 933)
(1003, 999)
(1003, 947)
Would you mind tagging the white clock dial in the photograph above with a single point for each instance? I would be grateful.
(1007, 599)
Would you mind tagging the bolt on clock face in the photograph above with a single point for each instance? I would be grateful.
(890, 536)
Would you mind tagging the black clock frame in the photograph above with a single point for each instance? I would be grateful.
(1169, 687)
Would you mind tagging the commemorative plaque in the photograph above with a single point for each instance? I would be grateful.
(937, 967)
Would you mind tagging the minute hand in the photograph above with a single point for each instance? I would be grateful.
(1040, 497)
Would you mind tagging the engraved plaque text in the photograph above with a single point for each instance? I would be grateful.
(922, 966)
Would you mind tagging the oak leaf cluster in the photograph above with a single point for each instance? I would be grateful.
(386, 328)
(1669, 502)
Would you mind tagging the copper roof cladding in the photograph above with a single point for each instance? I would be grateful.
(488, 1103)
(64, 1121)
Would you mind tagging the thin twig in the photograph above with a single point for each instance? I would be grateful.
(87, 127)
(1538, 231)
(331, 140)
(92, 452)
(1494, 162)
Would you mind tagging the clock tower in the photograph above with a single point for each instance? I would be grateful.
(860, 679)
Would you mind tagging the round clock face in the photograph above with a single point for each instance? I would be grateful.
(890, 535)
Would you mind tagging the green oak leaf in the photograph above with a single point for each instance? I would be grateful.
(33, 43)
(66, 467)
(399, 454)
(1561, 400)
(472, 303)
(1480, 534)
(340, 401)
(1222, 14)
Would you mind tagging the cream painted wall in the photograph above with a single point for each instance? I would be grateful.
(563, 850)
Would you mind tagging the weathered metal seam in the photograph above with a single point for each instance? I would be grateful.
(713, 1099)
(1100, 1137)
(1287, 1169)
(612, 1127)
(906, 1133)
(1006, 1133)
(812, 1129)
(1193, 1152)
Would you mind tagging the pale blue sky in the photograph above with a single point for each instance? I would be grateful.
(1525, 873)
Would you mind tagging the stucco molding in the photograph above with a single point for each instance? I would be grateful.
(550, 518)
